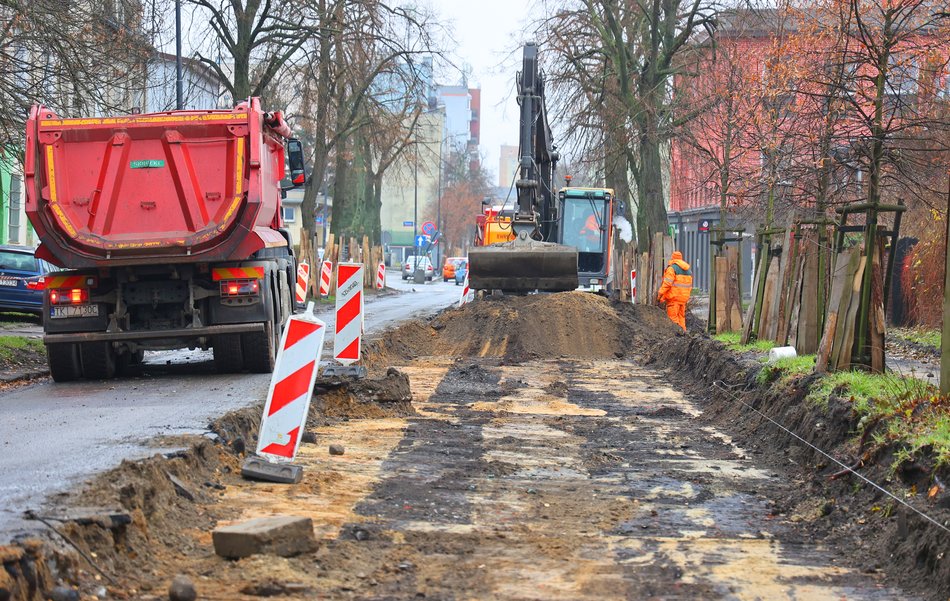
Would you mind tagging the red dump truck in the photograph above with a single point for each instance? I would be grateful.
(168, 228)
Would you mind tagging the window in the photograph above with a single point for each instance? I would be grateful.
(290, 214)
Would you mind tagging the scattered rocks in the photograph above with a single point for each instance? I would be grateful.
(239, 446)
(284, 535)
(337, 449)
(309, 437)
(182, 589)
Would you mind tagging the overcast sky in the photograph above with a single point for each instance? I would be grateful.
(489, 35)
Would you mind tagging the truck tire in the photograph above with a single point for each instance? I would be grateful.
(98, 360)
(228, 357)
(260, 350)
(63, 361)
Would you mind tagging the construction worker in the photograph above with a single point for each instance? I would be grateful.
(590, 233)
(677, 285)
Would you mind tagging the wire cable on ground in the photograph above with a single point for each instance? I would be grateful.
(725, 388)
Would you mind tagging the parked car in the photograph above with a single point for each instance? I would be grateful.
(21, 279)
(448, 269)
(461, 270)
(409, 268)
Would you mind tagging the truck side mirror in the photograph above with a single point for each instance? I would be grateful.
(298, 176)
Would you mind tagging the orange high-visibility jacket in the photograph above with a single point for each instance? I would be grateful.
(677, 283)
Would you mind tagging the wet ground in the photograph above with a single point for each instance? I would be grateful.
(566, 479)
(55, 435)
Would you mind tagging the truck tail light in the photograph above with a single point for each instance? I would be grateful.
(233, 288)
(68, 296)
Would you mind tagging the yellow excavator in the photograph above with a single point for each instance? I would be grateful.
(558, 240)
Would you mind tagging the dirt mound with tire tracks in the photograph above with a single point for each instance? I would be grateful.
(573, 325)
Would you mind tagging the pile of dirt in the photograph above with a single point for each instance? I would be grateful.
(883, 535)
(521, 328)
(367, 398)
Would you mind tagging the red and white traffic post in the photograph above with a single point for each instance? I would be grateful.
(349, 313)
(465, 291)
(380, 276)
(326, 271)
(288, 401)
(633, 286)
(303, 280)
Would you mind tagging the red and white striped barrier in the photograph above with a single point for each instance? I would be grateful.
(326, 271)
(465, 290)
(349, 313)
(380, 276)
(303, 280)
(291, 386)
(633, 286)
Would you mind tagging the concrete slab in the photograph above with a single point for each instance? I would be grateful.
(283, 535)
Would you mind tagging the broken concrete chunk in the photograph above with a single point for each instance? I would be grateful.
(182, 589)
(181, 489)
(284, 535)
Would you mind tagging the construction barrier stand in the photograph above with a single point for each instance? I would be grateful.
(465, 290)
(303, 280)
(291, 386)
(326, 271)
(349, 313)
(633, 286)
(380, 276)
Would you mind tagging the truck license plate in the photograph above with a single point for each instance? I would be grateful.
(74, 311)
(8, 282)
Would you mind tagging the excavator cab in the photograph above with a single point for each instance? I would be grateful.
(586, 224)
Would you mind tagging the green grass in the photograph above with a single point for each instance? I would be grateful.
(920, 336)
(732, 341)
(902, 411)
(785, 370)
(13, 346)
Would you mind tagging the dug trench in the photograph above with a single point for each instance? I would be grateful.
(555, 447)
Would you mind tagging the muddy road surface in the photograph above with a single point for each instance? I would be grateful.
(54, 435)
(533, 463)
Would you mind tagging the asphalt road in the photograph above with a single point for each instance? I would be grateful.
(53, 436)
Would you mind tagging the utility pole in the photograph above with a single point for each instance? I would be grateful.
(945, 337)
(179, 91)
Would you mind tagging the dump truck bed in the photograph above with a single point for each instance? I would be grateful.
(176, 187)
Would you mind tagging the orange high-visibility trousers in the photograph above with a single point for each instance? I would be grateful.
(677, 312)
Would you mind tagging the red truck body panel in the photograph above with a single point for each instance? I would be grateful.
(161, 188)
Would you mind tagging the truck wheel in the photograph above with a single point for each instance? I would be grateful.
(228, 357)
(63, 361)
(260, 350)
(98, 360)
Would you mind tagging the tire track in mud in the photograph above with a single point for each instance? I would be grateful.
(571, 480)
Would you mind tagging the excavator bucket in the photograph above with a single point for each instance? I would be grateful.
(523, 266)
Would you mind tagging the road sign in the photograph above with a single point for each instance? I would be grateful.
(421, 240)
(703, 225)
(291, 386)
(319, 220)
(349, 313)
(428, 228)
(303, 280)
(406, 224)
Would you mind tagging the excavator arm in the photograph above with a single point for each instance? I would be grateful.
(533, 260)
